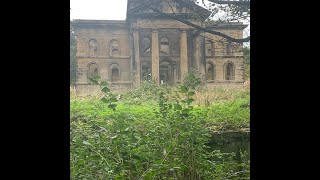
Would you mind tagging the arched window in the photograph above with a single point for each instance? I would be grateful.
(211, 71)
(114, 48)
(93, 47)
(93, 70)
(115, 73)
(164, 72)
(229, 71)
(146, 45)
(164, 46)
(145, 72)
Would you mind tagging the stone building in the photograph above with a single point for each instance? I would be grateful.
(150, 46)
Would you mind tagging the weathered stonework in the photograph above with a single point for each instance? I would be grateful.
(147, 46)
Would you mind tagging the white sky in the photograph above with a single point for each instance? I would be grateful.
(98, 9)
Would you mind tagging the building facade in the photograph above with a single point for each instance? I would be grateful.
(151, 46)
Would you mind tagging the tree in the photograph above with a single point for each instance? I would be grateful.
(73, 60)
(234, 11)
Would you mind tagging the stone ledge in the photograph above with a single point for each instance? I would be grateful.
(223, 81)
(110, 83)
(223, 56)
(105, 57)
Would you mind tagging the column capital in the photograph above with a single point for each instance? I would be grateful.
(135, 29)
(155, 30)
(183, 30)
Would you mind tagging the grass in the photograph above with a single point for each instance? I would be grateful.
(221, 109)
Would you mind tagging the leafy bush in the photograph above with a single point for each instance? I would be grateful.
(165, 140)
(191, 80)
(229, 115)
(147, 92)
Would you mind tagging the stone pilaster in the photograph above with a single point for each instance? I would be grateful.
(183, 53)
(202, 57)
(155, 56)
(196, 54)
(136, 56)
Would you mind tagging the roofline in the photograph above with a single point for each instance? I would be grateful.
(229, 25)
(183, 1)
(86, 22)
(97, 21)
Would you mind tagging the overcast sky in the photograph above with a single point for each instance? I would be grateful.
(98, 9)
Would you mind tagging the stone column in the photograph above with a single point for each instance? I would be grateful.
(174, 73)
(202, 57)
(196, 52)
(183, 53)
(155, 56)
(136, 56)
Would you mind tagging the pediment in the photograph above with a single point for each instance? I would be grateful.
(165, 6)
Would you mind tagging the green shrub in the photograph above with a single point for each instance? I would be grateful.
(165, 140)
(191, 80)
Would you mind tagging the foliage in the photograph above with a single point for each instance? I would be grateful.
(108, 97)
(168, 140)
(191, 80)
(234, 13)
(224, 12)
(146, 92)
(73, 61)
(229, 115)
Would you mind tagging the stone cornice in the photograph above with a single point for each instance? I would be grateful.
(224, 56)
(110, 82)
(223, 81)
(157, 15)
(232, 25)
(103, 57)
(84, 23)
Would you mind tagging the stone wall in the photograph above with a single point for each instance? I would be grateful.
(220, 69)
(127, 52)
(110, 50)
(231, 142)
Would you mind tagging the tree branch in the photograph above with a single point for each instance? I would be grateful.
(247, 39)
(171, 7)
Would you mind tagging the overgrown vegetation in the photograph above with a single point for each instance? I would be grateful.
(192, 80)
(155, 132)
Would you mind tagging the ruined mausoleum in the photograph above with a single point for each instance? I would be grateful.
(151, 46)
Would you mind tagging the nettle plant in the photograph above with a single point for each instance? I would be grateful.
(108, 97)
(184, 139)
(172, 146)
(192, 80)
